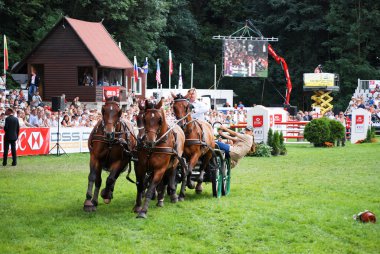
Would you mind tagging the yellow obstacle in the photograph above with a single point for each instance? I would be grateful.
(322, 99)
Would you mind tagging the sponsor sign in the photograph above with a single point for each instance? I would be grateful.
(72, 140)
(31, 141)
(359, 123)
(270, 121)
(258, 121)
(318, 79)
(277, 118)
(110, 91)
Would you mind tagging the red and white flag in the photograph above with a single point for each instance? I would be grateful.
(158, 72)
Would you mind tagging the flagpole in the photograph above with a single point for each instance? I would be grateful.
(180, 85)
(170, 64)
(192, 73)
(146, 74)
(215, 88)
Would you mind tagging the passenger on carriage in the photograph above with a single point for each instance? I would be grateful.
(242, 143)
(199, 108)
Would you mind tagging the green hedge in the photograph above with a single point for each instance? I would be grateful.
(322, 130)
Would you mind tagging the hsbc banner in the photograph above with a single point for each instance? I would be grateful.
(258, 130)
(31, 141)
(72, 140)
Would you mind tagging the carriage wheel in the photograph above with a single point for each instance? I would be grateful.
(228, 175)
(224, 173)
(217, 178)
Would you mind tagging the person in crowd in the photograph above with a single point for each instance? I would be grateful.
(21, 119)
(242, 143)
(33, 83)
(240, 105)
(66, 121)
(76, 103)
(307, 116)
(342, 119)
(33, 118)
(36, 100)
(199, 108)
(11, 132)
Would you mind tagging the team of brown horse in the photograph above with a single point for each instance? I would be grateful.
(157, 150)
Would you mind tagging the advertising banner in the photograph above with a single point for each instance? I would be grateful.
(110, 91)
(72, 140)
(31, 141)
(245, 58)
(318, 79)
(359, 123)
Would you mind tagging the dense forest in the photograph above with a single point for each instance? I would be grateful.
(342, 35)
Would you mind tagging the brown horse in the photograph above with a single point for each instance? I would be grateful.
(199, 143)
(111, 143)
(158, 158)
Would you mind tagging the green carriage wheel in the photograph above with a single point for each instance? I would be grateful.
(217, 179)
(228, 175)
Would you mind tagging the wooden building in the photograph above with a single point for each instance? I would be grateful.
(79, 58)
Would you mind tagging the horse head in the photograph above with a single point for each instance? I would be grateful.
(182, 109)
(154, 122)
(111, 112)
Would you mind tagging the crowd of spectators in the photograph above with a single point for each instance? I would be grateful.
(370, 102)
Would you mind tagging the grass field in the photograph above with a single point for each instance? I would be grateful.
(299, 203)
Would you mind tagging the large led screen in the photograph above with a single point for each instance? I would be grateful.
(245, 58)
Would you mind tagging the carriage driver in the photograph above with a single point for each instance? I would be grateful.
(199, 107)
(242, 143)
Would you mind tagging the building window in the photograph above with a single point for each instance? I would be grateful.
(110, 77)
(137, 88)
(85, 76)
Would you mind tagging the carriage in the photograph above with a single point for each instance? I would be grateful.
(219, 176)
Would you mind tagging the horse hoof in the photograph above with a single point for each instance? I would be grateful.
(190, 185)
(89, 209)
(160, 203)
(107, 201)
(199, 188)
(137, 209)
(198, 191)
(181, 199)
(141, 215)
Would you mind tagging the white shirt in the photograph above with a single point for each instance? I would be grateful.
(199, 110)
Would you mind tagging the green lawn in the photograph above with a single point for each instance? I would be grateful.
(299, 203)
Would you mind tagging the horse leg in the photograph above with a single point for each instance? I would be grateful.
(107, 192)
(157, 177)
(88, 205)
(140, 175)
(98, 183)
(205, 163)
(172, 184)
(184, 170)
(160, 193)
(193, 161)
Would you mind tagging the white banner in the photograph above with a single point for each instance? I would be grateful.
(72, 140)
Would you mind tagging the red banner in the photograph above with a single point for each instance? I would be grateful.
(258, 121)
(109, 91)
(31, 141)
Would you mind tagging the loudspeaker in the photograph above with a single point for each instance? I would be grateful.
(293, 110)
(57, 103)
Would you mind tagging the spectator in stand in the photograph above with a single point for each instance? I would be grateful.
(21, 119)
(36, 100)
(66, 121)
(307, 116)
(33, 118)
(76, 103)
(241, 105)
(361, 104)
(226, 105)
